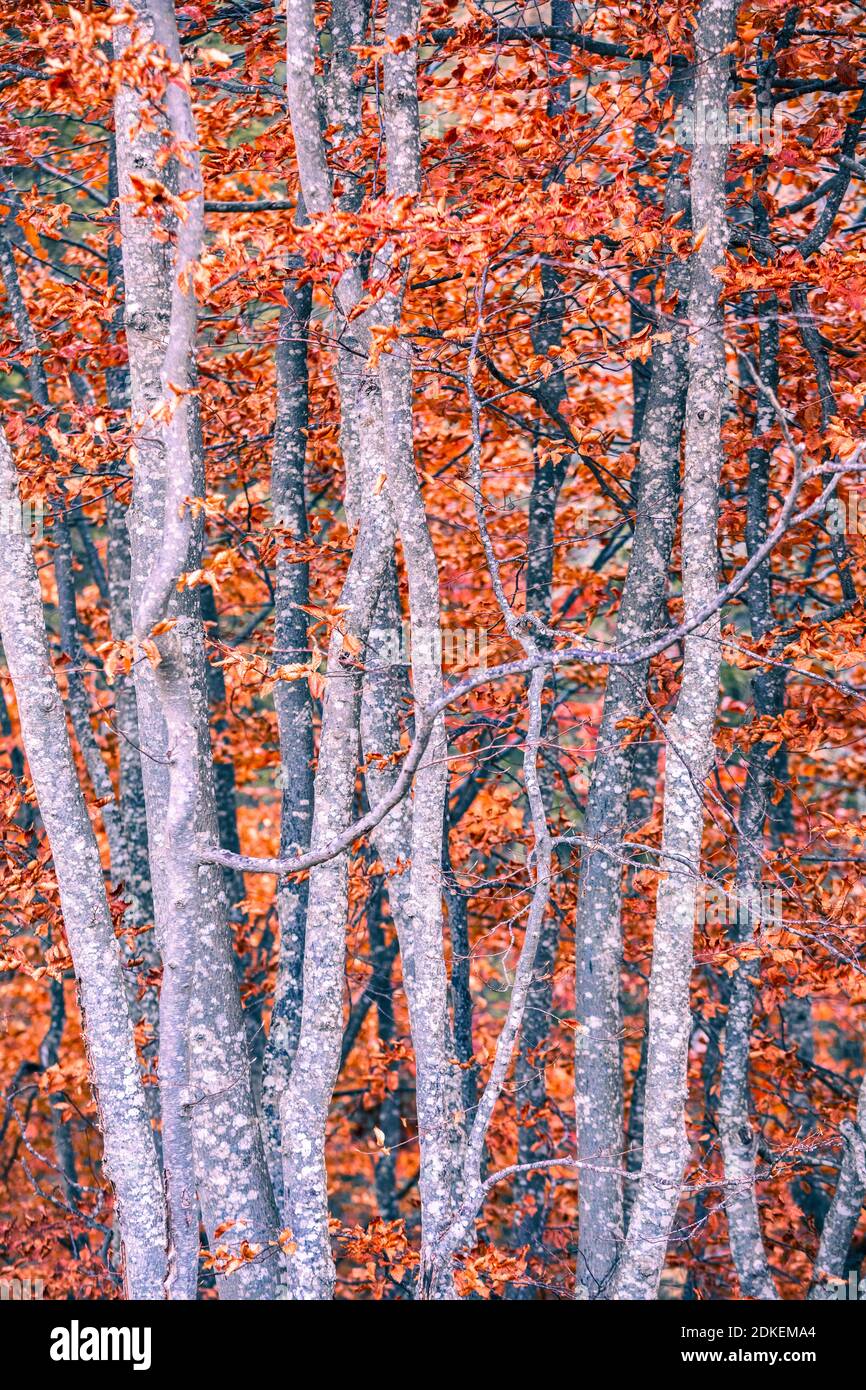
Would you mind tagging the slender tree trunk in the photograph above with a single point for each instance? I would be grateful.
(739, 1142)
(598, 1048)
(130, 756)
(689, 734)
(548, 478)
(124, 866)
(61, 1130)
(211, 1136)
(305, 1104)
(428, 997)
(385, 710)
(129, 1149)
(293, 704)
(385, 713)
(225, 787)
(841, 1220)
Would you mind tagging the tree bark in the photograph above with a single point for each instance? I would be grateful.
(598, 1051)
(211, 1135)
(689, 732)
(293, 704)
(129, 1149)
(841, 1220)
(739, 1142)
(305, 1104)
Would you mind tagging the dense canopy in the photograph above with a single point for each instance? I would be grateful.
(432, 728)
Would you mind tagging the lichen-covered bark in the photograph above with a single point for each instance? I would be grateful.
(293, 704)
(305, 1104)
(128, 1143)
(598, 1059)
(689, 732)
(385, 711)
(376, 439)
(130, 780)
(436, 1091)
(428, 994)
(123, 842)
(841, 1220)
(211, 1137)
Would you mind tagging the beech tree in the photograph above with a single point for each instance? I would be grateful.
(432, 649)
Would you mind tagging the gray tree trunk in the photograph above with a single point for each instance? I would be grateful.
(305, 1103)
(293, 705)
(689, 732)
(739, 1141)
(598, 1046)
(841, 1220)
(211, 1135)
(128, 1144)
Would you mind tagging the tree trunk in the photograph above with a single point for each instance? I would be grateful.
(305, 1104)
(739, 1142)
(689, 732)
(598, 1050)
(293, 705)
(128, 1144)
(211, 1136)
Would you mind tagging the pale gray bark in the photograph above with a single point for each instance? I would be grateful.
(118, 574)
(372, 446)
(122, 842)
(301, 52)
(598, 1046)
(77, 698)
(226, 804)
(385, 712)
(437, 1097)
(160, 322)
(387, 694)
(841, 1220)
(128, 1144)
(305, 1104)
(428, 991)
(689, 732)
(211, 1137)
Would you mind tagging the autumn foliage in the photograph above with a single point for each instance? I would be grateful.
(536, 263)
